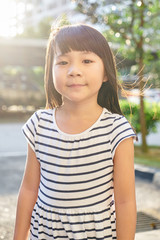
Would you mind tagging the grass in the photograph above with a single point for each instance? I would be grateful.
(151, 158)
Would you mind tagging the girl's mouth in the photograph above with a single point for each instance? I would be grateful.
(76, 85)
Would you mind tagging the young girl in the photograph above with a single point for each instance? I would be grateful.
(80, 163)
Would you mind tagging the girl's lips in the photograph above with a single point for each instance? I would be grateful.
(77, 85)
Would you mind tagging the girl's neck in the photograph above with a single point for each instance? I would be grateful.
(76, 119)
(81, 110)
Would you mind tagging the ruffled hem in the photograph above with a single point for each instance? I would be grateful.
(47, 223)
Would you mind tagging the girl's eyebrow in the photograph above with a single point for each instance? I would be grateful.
(61, 55)
(81, 52)
(86, 52)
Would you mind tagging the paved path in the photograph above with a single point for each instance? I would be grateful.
(12, 141)
(151, 235)
(11, 172)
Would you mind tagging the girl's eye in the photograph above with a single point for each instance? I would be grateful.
(62, 63)
(87, 61)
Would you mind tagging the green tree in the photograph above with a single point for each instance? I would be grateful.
(133, 26)
(63, 20)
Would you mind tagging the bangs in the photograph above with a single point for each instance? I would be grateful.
(79, 38)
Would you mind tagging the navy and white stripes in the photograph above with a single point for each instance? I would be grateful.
(76, 186)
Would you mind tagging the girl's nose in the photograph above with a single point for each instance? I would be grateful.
(74, 71)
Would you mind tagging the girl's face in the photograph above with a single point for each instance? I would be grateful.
(78, 75)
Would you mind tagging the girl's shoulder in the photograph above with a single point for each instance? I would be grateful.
(118, 122)
(120, 129)
(113, 116)
(42, 113)
(39, 118)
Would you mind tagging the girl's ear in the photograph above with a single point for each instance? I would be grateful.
(105, 79)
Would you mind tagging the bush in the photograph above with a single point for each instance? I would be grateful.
(132, 112)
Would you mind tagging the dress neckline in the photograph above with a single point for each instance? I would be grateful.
(78, 134)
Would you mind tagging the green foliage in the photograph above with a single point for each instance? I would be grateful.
(132, 28)
(37, 76)
(44, 27)
(63, 20)
(12, 71)
(132, 112)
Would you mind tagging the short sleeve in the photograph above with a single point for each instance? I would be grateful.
(120, 131)
(30, 129)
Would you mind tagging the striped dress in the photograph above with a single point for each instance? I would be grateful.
(75, 198)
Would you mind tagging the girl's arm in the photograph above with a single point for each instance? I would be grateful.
(27, 196)
(124, 190)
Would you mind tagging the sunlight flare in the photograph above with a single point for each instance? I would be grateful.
(11, 16)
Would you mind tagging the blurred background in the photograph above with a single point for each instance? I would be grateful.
(132, 29)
